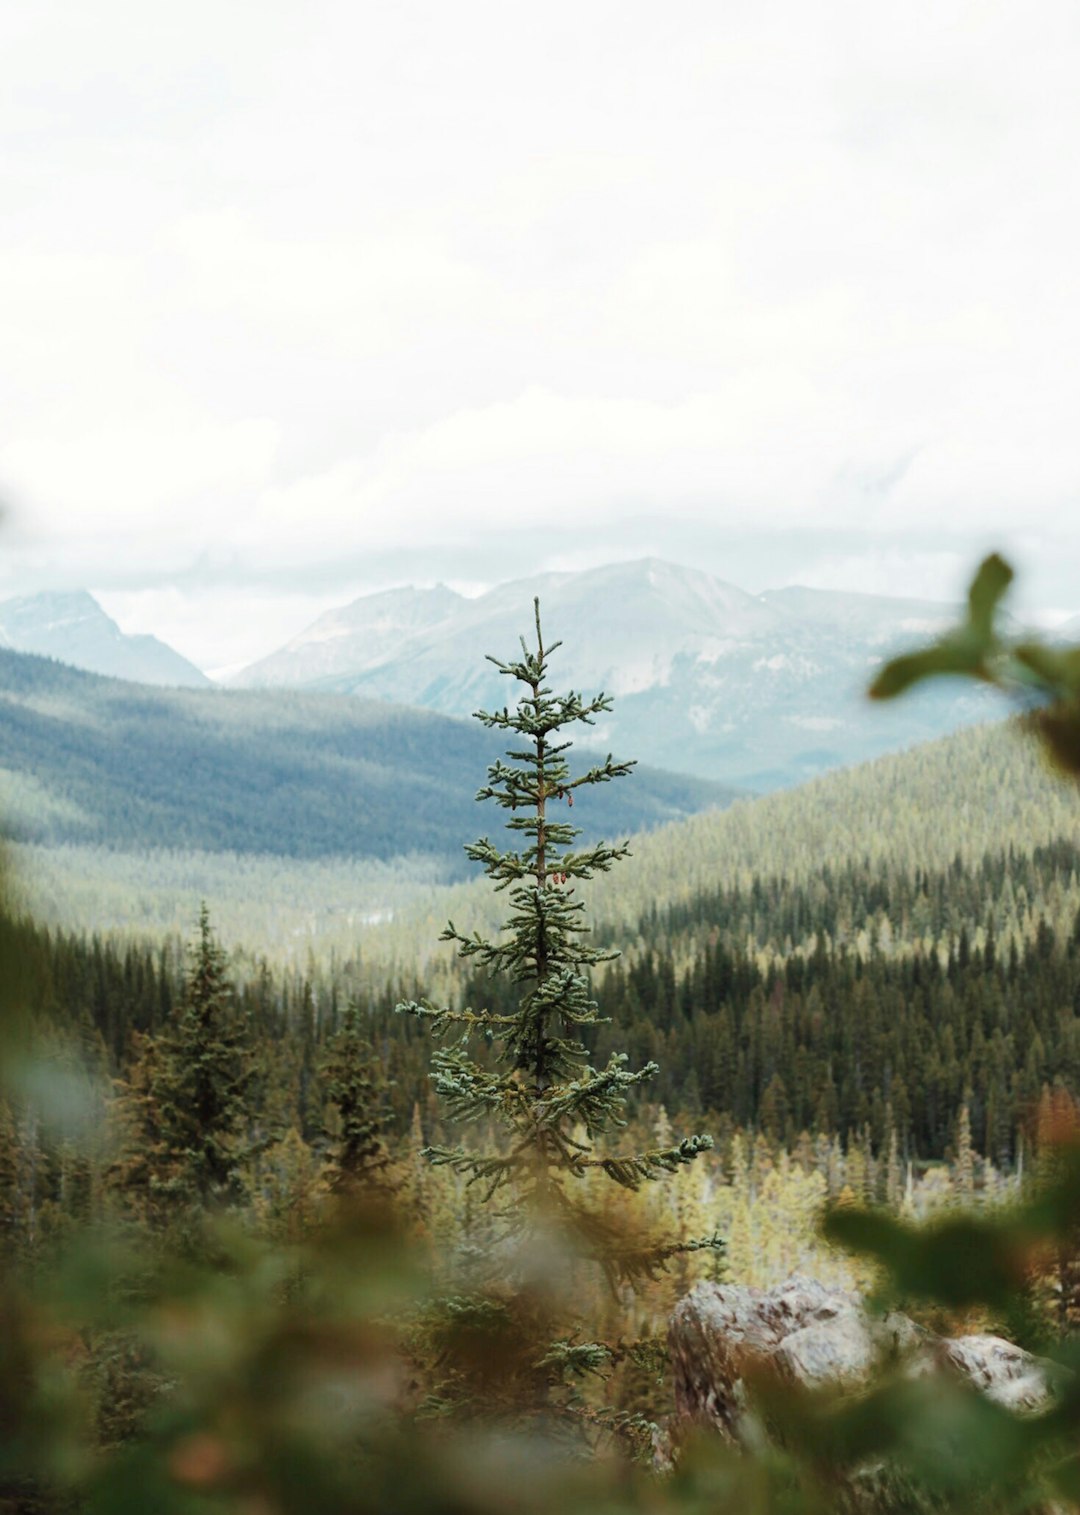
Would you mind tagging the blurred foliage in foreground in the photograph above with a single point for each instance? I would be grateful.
(1045, 678)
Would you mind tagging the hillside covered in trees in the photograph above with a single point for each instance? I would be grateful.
(134, 769)
(962, 797)
(963, 989)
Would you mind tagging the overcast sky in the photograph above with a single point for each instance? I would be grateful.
(302, 300)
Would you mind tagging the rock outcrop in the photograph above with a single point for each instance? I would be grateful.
(814, 1337)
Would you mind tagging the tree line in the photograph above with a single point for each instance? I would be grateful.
(959, 987)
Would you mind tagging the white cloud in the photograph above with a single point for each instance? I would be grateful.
(169, 475)
(361, 293)
(543, 458)
(307, 289)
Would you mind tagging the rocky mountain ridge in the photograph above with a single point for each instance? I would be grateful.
(760, 691)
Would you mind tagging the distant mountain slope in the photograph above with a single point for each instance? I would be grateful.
(942, 804)
(347, 641)
(759, 691)
(85, 759)
(979, 791)
(74, 629)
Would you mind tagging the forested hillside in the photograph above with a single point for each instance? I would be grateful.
(963, 796)
(852, 1000)
(958, 798)
(858, 958)
(90, 760)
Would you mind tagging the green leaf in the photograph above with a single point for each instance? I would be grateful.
(960, 1261)
(1057, 669)
(1059, 730)
(964, 651)
(956, 654)
(984, 596)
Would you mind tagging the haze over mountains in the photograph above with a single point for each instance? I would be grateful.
(754, 691)
(760, 691)
(72, 628)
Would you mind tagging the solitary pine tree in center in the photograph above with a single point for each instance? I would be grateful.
(537, 1081)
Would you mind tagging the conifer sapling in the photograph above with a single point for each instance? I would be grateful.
(536, 1080)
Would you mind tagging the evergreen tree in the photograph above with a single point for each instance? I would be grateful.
(291, 1188)
(144, 1170)
(360, 1162)
(536, 1080)
(893, 1179)
(964, 1159)
(207, 1069)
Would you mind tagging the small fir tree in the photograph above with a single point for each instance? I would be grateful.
(963, 1159)
(893, 1175)
(291, 1189)
(203, 1085)
(360, 1162)
(536, 1081)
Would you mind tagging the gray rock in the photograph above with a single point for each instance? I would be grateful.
(813, 1337)
(1003, 1372)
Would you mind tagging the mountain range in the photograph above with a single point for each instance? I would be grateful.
(72, 628)
(752, 691)
(759, 691)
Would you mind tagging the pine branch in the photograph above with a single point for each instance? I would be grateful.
(635, 1263)
(632, 1170)
(495, 1171)
(483, 1021)
(469, 1092)
(556, 712)
(578, 1359)
(596, 1099)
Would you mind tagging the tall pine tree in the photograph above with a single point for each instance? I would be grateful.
(535, 1079)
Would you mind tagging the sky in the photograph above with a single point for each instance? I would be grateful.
(301, 301)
